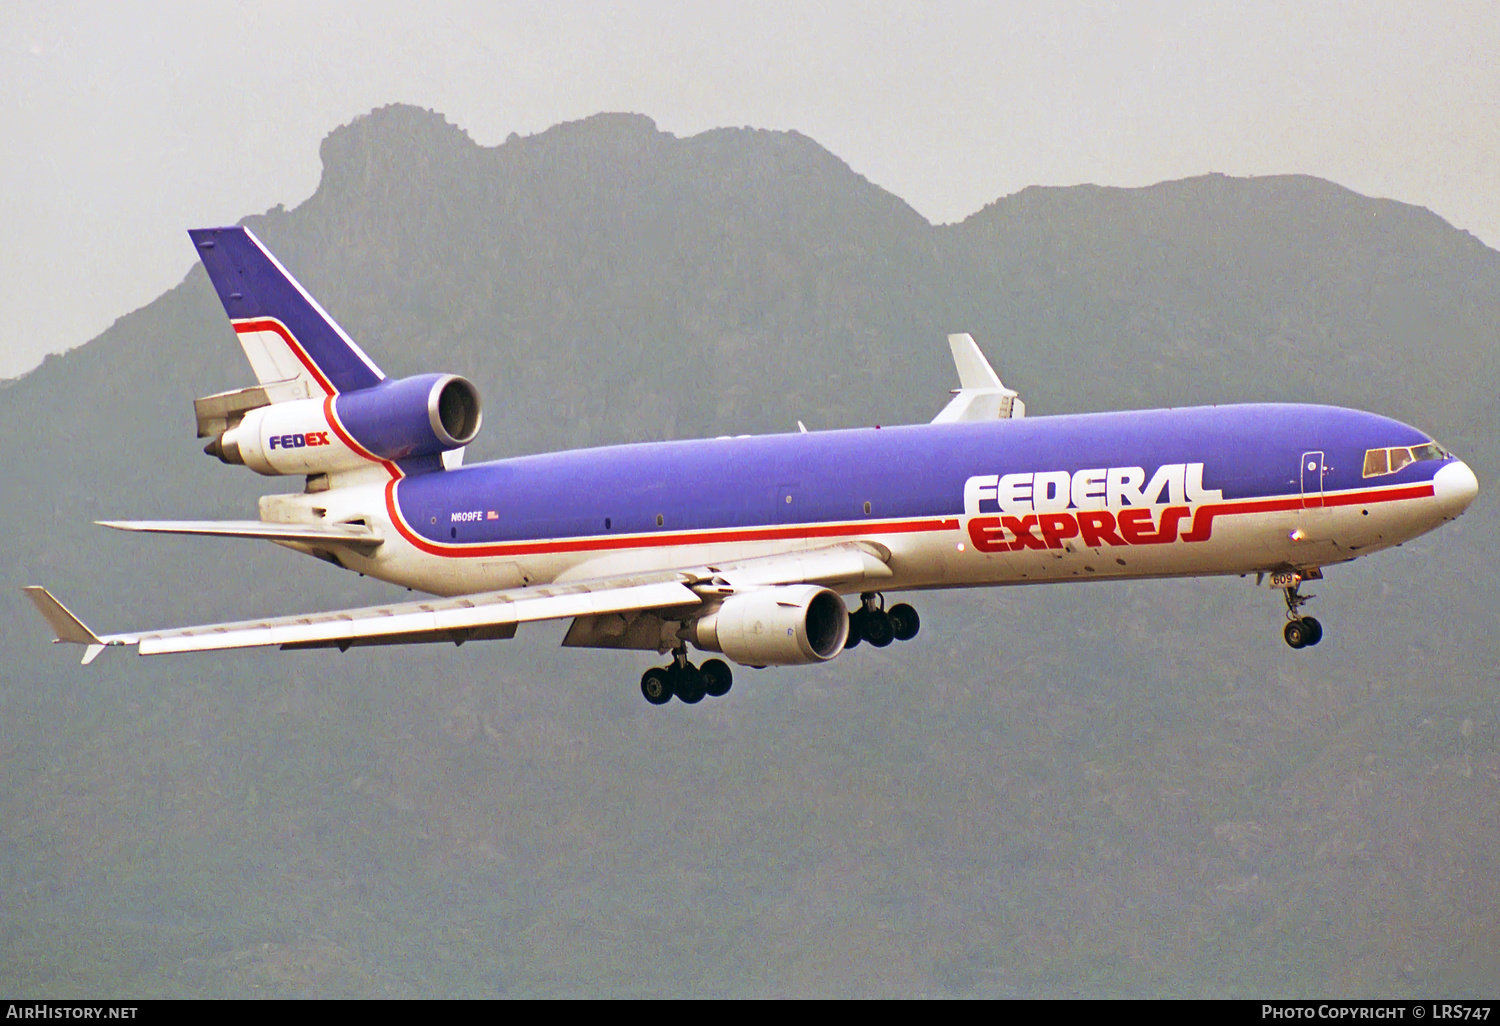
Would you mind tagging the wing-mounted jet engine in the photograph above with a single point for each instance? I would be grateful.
(788, 626)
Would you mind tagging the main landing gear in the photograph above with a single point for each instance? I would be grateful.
(879, 626)
(1300, 631)
(688, 682)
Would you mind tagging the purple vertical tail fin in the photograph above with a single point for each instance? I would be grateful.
(286, 335)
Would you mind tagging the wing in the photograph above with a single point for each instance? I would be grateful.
(487, 615)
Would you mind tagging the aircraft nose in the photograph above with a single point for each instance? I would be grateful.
(1455, 487)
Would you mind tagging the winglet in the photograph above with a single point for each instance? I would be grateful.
(974, 371)
(68, 628)
(980, 395)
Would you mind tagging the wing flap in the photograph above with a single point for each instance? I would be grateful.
(495, 632)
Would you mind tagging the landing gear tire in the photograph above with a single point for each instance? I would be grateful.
(689, 684)
(856, 629)
(872, 622)
(1300, 631)
(656, 685)
(1314, 630)
(877, 627)
(717, 678)
(904, 622)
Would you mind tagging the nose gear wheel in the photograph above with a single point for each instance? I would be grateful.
(1300, 631)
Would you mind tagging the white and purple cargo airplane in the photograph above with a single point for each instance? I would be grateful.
(744, 546)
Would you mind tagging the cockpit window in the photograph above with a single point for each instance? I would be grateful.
(1388, 461)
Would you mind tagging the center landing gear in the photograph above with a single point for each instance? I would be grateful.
(688, 682)
(1300, 631)
(879, 626)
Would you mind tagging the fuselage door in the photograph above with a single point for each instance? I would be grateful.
(1314, 467)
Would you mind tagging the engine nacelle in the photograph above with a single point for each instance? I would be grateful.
(786, 626)
(417, 416)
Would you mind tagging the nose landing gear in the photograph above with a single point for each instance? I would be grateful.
(1300, 631)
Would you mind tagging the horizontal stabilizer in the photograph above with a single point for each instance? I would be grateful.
(355, 536)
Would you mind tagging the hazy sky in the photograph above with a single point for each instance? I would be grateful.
(125, 124)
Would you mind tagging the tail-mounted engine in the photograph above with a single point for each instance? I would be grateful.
(276, 434)
(785, 626)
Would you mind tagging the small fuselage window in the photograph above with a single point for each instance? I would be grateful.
(1388, 461)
